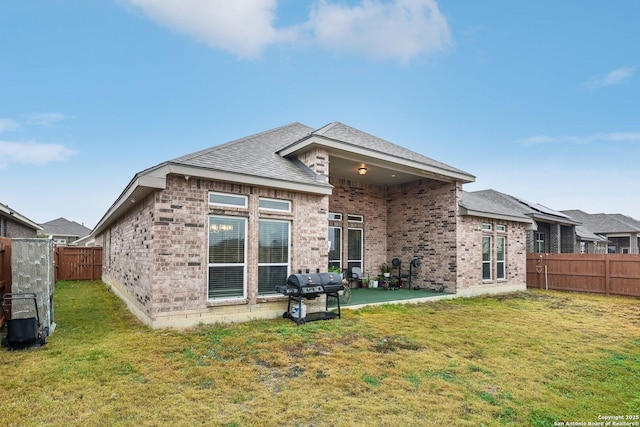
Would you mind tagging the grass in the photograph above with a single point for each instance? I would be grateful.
(533, 358)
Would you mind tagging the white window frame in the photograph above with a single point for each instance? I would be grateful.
(540, 238)
(501, 261)
(239, 197)
(500, 228)
(274, 209)
(279, 264)
(487, 227)
(490, 260)
(351, 260)
(244, 264)
(338, 244)
(335, 216)
(355, 218)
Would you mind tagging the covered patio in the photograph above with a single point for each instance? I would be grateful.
(362, 297)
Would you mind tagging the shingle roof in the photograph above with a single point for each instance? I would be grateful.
(483, 203)
(532, 210)
(64, 227)
(602, 223)
(349, 135)
(15, 216)
(255, 155)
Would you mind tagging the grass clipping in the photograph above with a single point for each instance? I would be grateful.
(534, 358)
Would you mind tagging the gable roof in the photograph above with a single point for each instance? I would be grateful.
(337, 136)
(602, 223)
(532, 210)
(269, 159)
(12, 214)
(479, 205)
(256, 156)
(64, 227)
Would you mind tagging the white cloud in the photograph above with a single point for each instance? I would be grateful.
(398, 29)
(32, 153)
(614, 77)
(243, 27)
(7, 125)
(45, 119)
(586, 139)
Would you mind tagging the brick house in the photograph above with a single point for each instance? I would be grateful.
(620, 234)
(15, 225)
(205, 237)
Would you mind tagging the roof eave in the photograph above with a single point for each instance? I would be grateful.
(306, 143)
(156, 179)
(494, 215)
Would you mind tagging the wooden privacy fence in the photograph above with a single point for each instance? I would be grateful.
(78, 263)
(610, 274)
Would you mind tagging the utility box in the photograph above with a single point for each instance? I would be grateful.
(32, 271)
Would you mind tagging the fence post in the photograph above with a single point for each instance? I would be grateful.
(607, 275)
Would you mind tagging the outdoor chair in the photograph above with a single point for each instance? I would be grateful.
(356, 276)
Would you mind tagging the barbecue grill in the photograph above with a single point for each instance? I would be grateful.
(311, 286)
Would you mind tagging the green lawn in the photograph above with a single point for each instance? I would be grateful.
(534, 358)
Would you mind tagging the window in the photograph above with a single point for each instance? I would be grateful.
(501, 245)
(487, 227)
(540, 246)
(274, 205)
(224, 199)
(335, 247)
(486, 257)
(583, 247)
(501, 228)
(355, 218)
(335, 217)
(273, 255)
(354, 244)
(227, 257)
(624, 250)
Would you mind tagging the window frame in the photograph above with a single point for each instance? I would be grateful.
(489, 261)
(355, 218)
(276, 264)
(539, 241)
(272, 209)
(502, 261)
(351, 262)
(335, 262)
(211, 265)
(242, 197)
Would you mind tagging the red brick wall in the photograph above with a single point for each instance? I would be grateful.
(355, 197)
(470, 251)
(422, 218)
(157, 252)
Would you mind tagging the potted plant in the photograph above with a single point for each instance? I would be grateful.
(385, 270)
(365, 283)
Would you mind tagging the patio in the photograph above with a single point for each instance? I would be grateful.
(377, 296)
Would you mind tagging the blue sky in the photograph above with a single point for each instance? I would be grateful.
(538, 99)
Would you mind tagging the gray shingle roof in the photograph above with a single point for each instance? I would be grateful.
(602, 223)
(255, 155)
(349, 135)
(484, 203)
(64, 227)
(532, 210)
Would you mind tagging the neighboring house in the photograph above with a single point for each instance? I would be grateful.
(622, 232)
(13, 225)
(206, 237)
(551, 232)
(64, 232)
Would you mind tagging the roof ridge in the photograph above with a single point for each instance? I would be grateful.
(195, 154)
